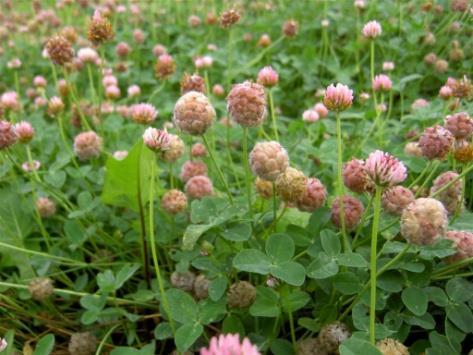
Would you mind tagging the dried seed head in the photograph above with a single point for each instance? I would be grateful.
(314, 196)
(463, 242)
(268, 160)
(228, 18)
(8, 136)
(246, 104)
(100, 29)
(290, 28)
(391, 346)
(183, 280)
(353, 210)
(46, 208)
(193, 113)
(436, 142)
(201, 287)
(41, 288)
(310, 346)
(451, 197)
(463, 151)
(174, 201)
(82, 344)
(199, 186)
(192, 168)
(175, 149)
(423, 221)
(192, 82)
(355, 176)
(396, 198)
(264, 188)
(165, 66)
(291, 185)
(332, 335)
(460, 125)
(55, 106)
(59, 50)
(241, 294)
(198, 150)
(412, 149)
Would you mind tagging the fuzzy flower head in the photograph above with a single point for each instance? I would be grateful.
(460, 124)
(59, 50)
(382, 83)
(290, 28)
(29, 167)
(3, 344)
(268, 160)
(193, 113)
(321, 110)
(46, 207)
(192, 168)
(8, 136)
(353, 210)
(423, 221)
(268, 77)
(246, 104)
(175, 150)
(24, 131)
(314, 196)
(396, 198)
(229, 18)
(230, 344)
(100, 29)
(310, 116)
(87, 55)
(355, 176)
(198, 150)
(384, 169)
(174, 201)
(450, 196)
(463, 243)
(199, 186)
(371, 30)
(388, 66)
(291, 185)
(165, 66)
(156, 139)
(39, 81)
(192, 82)
(143, 113)
(445, 92)
(9, 101)
(436, 142)
(87, 145)
(338, 98)
(133, 91)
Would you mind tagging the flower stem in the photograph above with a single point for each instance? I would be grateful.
(340, 188)
(247, 170)
(374, 240)
(273, 115)
(152, 241)
(275, 206)
(219, 172)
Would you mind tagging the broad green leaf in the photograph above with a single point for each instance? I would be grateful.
(356, 346)
(347, 283)
(289, 271)
(217, 288)
(45, 346)
(415, 299)
(106, 281)
(252, 260)
(351, 260)
(460, 315)
(182, 306)
(322, 267)
(193, 233)
(55, 178)
(125, 273)
(280, 247)
(282, 347)
(211, 311)
(124, 178)
(187, 334)
(330, 242)
(459, 289)
(75, 233)
(232, 324)
(237, 232)
(437, 296)
(294, 301)
(266, 303)
(163, 331)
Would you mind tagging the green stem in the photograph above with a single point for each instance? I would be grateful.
(219, 172)
(275, 206)
(153, 248)
(340, 186)
(273, 115)
(247, 171)
(450, 183)
(373, 275)
(435, 166)
(142, 224)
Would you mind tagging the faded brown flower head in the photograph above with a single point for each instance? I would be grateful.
(290, 28)
(229, 17)
(41, 288)
(246, 104)
(241, 294)
(332, 335)
(183, 280)
(423, 221)
(396, 198)
(192, 82)
(451, 197)
(314, 196)
(174, 201)
(291, 185)
(463, 88)
(100, 29)
(353, 210)
(59, 50)
(463, 151)
(436, 142)
(463, 243)
(268, 160)
(175, 149)
(193, 113)
(391, 346)
(264, 188)
(201, 287)
(82, 344)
